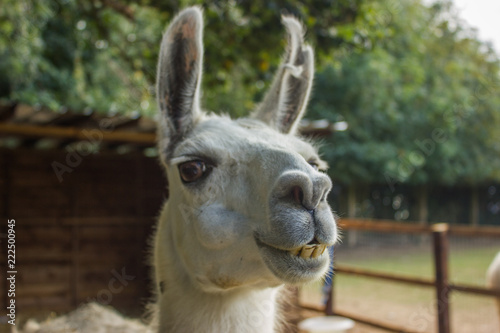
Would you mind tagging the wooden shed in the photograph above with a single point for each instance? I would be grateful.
(84, 190)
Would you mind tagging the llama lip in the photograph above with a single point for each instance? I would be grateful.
(308, 251)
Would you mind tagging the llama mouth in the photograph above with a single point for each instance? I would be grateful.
(308, 251)
(311, 250)
(298, 265)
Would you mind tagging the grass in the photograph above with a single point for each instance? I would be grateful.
(410, 305)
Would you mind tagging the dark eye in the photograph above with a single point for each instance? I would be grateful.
(314, 165)
(192, 171)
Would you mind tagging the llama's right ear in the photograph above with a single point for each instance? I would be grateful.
(285, 103)
(178, 78)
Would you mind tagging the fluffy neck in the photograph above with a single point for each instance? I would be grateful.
(182, 310)
(182, 307)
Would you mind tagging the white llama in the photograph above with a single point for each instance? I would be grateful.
(248, 209)
(493, 277)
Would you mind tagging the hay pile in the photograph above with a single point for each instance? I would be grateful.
(89, 318)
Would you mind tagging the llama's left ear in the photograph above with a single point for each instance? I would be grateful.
(178, 78)
(285, 103)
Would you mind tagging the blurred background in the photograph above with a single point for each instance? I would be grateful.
(406, 105)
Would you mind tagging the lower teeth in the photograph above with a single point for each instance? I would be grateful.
(309, 251)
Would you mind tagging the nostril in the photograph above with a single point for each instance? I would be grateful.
(297, 195)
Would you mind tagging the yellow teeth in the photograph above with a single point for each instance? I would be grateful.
(309, 251)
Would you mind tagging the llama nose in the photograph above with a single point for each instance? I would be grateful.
(297, 195)
(302, 189)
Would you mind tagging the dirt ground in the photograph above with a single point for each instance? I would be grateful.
(410, 306)
(479, 317)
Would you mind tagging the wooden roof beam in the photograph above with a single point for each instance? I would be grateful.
(77, 134)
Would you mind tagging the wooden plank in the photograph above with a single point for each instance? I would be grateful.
(34, 178)
(34, 209)
(106, 210)
(42, 201)
(77, 134)
(94, 290)
(476, 290)
(52, 302)
(41, 272)
(42, 289)
(383, 226)
(469, 231)
(103, 234)
(107, 253)
(384, 276)
(34, 159)
(86, 221)
(75, 264)
(405, 227)
(42, 253)
(5, 179)
(102, 270)
(35, 235)
(86, 257)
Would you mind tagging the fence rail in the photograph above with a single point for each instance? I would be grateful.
(440, 238)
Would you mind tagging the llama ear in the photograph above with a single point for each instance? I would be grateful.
(285, 103)
(178, 78)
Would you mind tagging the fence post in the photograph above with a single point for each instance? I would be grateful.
(440, 242)
(330, 302)
(330, 279)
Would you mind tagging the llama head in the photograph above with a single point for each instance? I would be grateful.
(248, 198)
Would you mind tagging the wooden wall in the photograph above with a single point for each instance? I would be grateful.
(73, 238)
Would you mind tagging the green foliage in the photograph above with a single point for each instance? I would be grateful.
(419, 91)
(421, 98)
(102, 54)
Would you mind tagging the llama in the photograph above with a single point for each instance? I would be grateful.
(493, 277)
(248, 210)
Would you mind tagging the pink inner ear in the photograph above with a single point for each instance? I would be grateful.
(191, 56)
(189, 29)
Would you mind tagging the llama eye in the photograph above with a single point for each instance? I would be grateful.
(314, 165)
(192, 171)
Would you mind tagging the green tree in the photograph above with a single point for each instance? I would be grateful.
(421, 99)
(419, 91)
(102, 54)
